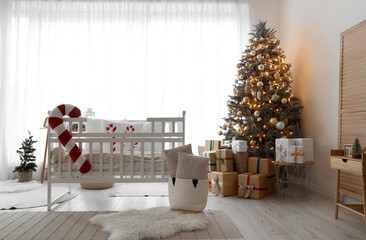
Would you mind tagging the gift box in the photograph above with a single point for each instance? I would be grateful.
(252, 185)
(262, 165)
(241, 162)
(286, 152)
(212, 145)
(224, 183)
(211, 155)
(201, 149)
(224, 165)
(224, 154)
(239, 146)
(271, 185)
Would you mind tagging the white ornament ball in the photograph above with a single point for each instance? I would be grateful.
(252, 53)
(275, 97)
(261, 67)
(284, 100)
(259, 95)
(259, 57)
(280, 125)
(260, 84)
(276, 75)
(241, 76)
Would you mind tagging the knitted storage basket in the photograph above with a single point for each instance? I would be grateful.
(187, 194)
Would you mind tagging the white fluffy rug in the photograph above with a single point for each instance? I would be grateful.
(153, 223)
(33, 198)
(13, 186)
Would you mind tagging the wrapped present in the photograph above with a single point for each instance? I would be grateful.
(224, 183)
(239, 146)
(241, 162)
(224, 165)
(212, 145)
(262, 165)
(209, 178)
(211, 155)
(252, 185)
(201, 149)
(283, 150)
(224, 154)
(271, 185)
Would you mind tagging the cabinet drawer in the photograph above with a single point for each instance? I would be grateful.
(346, 164)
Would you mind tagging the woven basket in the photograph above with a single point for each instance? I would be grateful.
(25, 176)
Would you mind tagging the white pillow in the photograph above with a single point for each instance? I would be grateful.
(93, 126)
(122, 127)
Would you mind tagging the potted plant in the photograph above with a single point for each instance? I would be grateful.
(356, 149)
(27, 160)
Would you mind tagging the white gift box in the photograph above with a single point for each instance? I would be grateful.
(239, 146)
(285, 150)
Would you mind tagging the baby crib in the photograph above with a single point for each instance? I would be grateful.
(119, 163)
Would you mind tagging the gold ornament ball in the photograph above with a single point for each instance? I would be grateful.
(250, 41)
(272, 149)
(230, 109)
(275, 97)
(238, 65)
(268, 56)
(240, 113)
(252, 142)
(273, 121)
(257, 113)
(253, 81)
(276, 75)
(247, 89)
(224, 126)
(284, 100)
(261, 67)
(246, 99)
(220, 133)
(240, 132)
(252, 53)
(259, 119)
(247, 128)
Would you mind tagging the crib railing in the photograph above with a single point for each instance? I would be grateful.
(171, 135)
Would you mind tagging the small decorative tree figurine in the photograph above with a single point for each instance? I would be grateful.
(27, 160)
(356, 149)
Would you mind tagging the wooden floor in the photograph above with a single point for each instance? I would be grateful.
(269, 218)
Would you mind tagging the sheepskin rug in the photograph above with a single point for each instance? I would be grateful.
(152, 223)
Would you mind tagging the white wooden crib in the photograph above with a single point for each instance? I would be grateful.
(125, 165)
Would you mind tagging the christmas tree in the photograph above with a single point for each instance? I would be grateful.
(26, 155)
(262, 107)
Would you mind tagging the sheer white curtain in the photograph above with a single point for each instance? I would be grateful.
(125, 59)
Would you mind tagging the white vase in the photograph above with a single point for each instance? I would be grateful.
(188, 194)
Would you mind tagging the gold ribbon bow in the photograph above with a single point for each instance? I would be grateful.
(297, 153)
(245, 190)
(281, 151)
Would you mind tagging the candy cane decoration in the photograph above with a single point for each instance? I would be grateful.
(56, 122)
(130, 129)
(111, 129)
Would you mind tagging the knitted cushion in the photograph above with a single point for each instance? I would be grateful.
(191, 167)
(171, 157)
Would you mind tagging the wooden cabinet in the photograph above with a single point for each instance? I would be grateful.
(353, 183)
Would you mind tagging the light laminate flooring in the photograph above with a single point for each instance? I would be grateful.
(269, 218)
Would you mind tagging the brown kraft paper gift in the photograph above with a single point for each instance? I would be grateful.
(224, 165)
(211, 155)
(261, 165)
(255, 183)
(241, 162)
(224, 154)
(224, 183)
(212, 145)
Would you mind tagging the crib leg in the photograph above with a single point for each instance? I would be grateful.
(69, 188)
(48, 192)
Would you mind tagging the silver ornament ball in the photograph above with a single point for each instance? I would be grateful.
(280, 125)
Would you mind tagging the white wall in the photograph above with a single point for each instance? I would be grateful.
(267, 10)
(310, 37)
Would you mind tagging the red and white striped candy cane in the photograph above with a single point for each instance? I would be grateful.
(131, 129)
(56, 122)
(111, 129)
